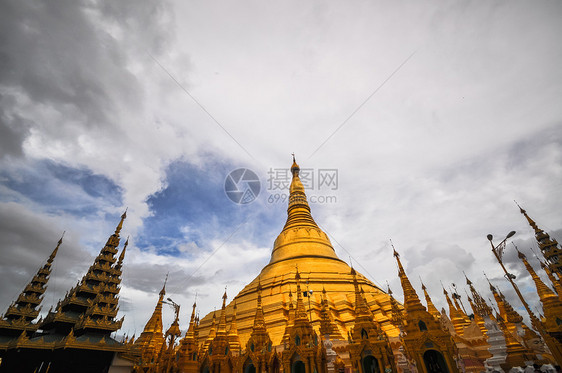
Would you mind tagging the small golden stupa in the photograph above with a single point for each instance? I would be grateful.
(304, 246)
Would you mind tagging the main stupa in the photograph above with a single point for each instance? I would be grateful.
(304, 246)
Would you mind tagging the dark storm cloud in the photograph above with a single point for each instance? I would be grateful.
(27, 239)
(13, 131)
(149, 278)
(65, 65)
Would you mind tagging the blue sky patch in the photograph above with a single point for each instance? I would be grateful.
(60, 188)
(194, 208)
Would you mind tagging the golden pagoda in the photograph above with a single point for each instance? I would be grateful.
(369, 347)
(76, 335)
(20, 314)
(303, 349)
(269, 327)
(302, 243)
(188, 348)
(551, 304)
(148, 345)
(426, 343)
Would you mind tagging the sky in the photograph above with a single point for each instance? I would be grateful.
(419, 123)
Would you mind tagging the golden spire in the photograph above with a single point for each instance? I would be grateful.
(361, 306)
(154, 324)
(506, 312)
(511, 316)
(555, 282)
(477, 318)
(478, 305)
(122, 255)
(191, 329)
(458, 306)
(222, 319)
(397, 318)
(212, 332)
(549, 247)
(300, 236)
(187, 352)
(259, 320)
(298, 210)
(300, 311)
(259, 338)
(327, 326)
(55, 251)
(151, 339)
(455, 315)
(120, 225)
(290, 318)
(551, 304)
(233, 338)
(163, 291)
(411, 300)
(23, 310)
(92, 305)
(430, 306)
(544, 291)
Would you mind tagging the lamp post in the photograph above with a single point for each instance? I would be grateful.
(552, 344)
(172, 332)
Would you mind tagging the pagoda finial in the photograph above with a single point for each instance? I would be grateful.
(222, 319)
(492, 287)
(398, 262)
(55, 251)
(394, 252)
(120, 225)
(468, 282)
(298, 210)
(295, 167)
(163, 291)
(193, 313)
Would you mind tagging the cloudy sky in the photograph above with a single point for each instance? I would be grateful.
(436, 117)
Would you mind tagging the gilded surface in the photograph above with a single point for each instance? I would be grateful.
(304, 245)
